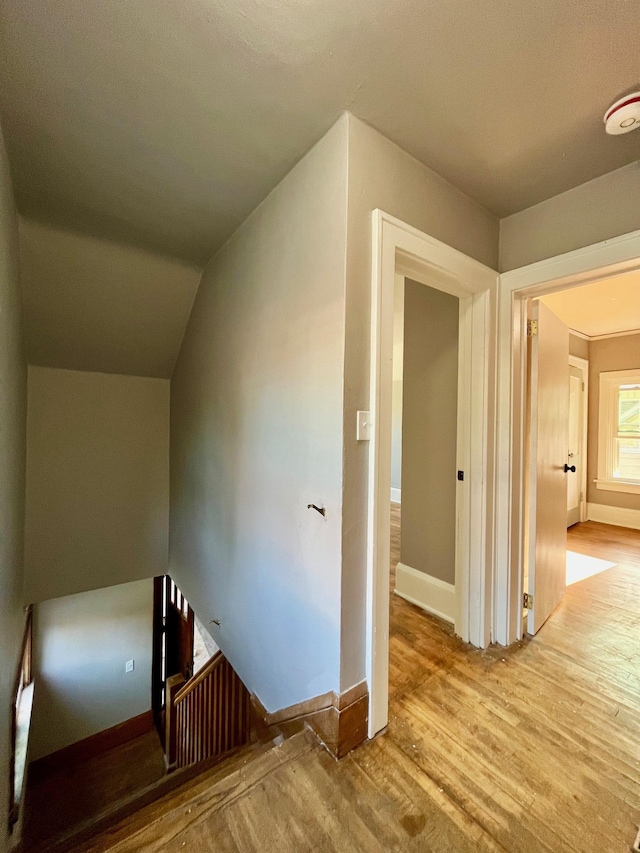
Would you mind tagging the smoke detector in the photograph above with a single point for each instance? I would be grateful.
(624, 115)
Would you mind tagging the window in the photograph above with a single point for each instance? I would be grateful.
(619, 431)
(20, 721)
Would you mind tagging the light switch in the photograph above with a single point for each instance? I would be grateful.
(363, 431)
(128, 667)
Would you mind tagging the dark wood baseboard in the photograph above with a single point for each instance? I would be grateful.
(339, 720)
(91, 746)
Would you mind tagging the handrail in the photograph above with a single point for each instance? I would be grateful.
(214, 661)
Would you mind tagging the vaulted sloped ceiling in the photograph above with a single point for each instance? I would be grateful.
(164, 123)
(91, 304)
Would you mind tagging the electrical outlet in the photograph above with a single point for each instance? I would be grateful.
(128, 667)
(363, 428)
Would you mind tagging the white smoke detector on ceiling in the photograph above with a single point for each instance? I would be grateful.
(624, 115)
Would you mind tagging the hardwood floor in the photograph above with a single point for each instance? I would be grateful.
(65, 799)
(534, 748)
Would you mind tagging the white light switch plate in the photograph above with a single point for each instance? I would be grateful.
(128, 667)
(363, 430)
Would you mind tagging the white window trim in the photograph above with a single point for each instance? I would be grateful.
(609, 382)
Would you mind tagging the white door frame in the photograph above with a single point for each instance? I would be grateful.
(400, 249)
(601, 260)
(583, 365)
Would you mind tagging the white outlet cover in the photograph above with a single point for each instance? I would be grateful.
(363, 429)
(128, 667)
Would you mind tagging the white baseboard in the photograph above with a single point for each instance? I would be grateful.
(429, 593)
(619, 516)
(395, 496)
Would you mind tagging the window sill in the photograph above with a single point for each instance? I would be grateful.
(628, 486)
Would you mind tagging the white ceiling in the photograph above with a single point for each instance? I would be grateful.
(602, 308)
(94, 305)
(164, 123)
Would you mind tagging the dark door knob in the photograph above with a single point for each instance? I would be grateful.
(569, 468)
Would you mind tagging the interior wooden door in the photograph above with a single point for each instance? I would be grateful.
(158, 679)
(179, 633)
(548, 430)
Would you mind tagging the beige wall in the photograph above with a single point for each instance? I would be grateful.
(429, 422)
(97, 481)
(256, 435)
(381, 175)
(81, 645)
(598, 210)
(13, 392)
(621, 353)
(578, 346)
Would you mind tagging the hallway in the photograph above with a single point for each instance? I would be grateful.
(531, 749)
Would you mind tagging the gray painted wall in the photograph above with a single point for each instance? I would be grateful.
(607, 354)
(381, 175)
(81, 645)
(256, 435)
(97, 481)
(13, 392)
(429, 422)
(598, 210)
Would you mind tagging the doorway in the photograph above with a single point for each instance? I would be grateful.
(399, 250)
(606, 321)
(424, 448)
(608, 259)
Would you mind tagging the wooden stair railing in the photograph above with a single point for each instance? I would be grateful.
(207, 716)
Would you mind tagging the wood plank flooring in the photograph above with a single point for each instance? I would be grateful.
(62, 800)
(535, 748)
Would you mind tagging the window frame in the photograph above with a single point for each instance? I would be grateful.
(610, 382)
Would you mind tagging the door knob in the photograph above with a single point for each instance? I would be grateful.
(569, 468)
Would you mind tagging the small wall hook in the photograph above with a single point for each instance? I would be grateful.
(321, 510)
(215, 622)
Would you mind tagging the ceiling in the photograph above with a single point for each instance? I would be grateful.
(163, 123)
(602, 308)
(93, 305)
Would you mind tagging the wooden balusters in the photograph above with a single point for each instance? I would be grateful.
(172, 729)
(208, 716)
